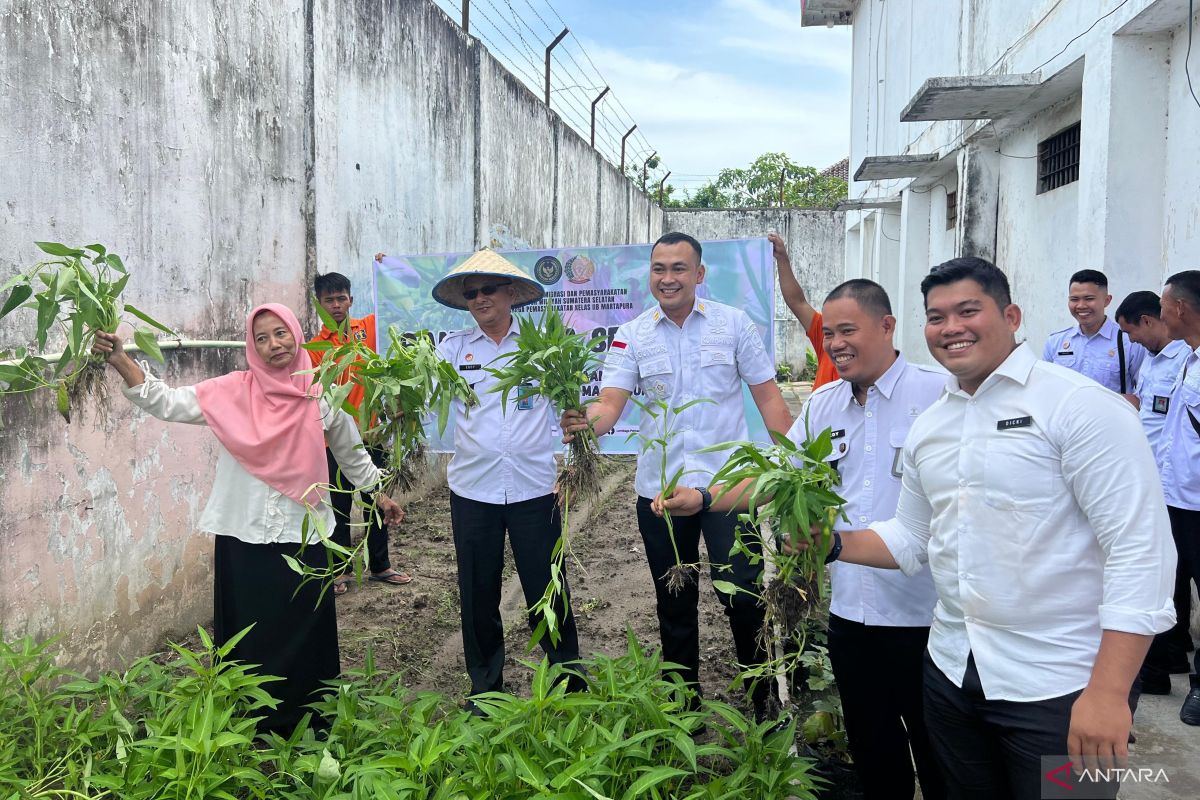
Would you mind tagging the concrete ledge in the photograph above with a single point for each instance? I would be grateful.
(864, 203)
(970, 97)
(826, 12)
(874, 168)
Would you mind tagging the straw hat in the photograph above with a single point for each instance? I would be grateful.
(449, 290)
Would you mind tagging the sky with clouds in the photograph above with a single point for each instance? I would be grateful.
(710, 83)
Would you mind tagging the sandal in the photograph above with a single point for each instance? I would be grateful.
(341, 586)
(391, 577)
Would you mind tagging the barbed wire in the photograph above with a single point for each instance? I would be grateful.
(526, 27)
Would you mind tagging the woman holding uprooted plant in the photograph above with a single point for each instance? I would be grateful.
(272, 428)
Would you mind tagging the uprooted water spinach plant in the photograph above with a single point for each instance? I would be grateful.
(74, 293)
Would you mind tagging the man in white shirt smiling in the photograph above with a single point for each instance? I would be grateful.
(1033, 496)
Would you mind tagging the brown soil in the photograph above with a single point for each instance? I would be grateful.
(414, 629)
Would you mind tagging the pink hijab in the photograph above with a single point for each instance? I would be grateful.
(268, 418)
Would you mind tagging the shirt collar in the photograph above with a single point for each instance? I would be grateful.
(1108, 330)
(1016, 367)
(699, 306)
(1173, 349)
(477, 332)
(886, 383)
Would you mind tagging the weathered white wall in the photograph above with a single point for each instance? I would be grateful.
(815, 242)
(1134, 212)
(228, 151)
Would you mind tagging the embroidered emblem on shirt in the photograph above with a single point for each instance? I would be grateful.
(1112, 353)
(469, 357)
(1066, 345)
(1015, 422)
(1161, 404)
(360, 336)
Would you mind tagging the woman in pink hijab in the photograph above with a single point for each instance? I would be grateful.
(272, 427)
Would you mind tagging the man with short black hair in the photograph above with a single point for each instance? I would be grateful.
(334, 296)
(1095, 346)
(1179, 445)
(682, 349)
(1033, 496)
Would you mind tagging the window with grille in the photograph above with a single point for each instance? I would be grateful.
(951, 210)
(1058, 159)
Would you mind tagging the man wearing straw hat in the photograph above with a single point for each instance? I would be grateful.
(502, 473)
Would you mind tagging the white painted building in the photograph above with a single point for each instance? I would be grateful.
(1045, 135)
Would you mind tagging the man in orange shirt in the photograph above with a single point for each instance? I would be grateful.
(333, 293)
(810, 318)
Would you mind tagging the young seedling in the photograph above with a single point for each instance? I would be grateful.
(554, 362)
(681, 574)
(74, 294)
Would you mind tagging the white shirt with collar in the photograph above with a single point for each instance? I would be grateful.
(1179, 441)
(240, 505)
(499, 456)
(1096, 356)
(867, 446)
(710, 356)
(1155, 380)
(1037, 505)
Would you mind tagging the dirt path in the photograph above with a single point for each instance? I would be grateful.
(415, 629)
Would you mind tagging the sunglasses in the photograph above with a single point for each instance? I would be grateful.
(487, 290)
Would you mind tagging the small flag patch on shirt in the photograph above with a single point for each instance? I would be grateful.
(618, 345)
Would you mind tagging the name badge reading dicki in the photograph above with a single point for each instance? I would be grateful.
(1015, 422)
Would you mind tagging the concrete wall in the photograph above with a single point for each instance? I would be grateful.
(816, 245)
(1133, 213)
(229, 151)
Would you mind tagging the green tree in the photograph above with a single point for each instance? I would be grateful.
(771, 180)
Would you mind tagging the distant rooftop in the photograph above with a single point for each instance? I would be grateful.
(839, 170)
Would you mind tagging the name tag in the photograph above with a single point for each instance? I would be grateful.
(1161, 404)
(525, 397)
(1015, 422)
(467, 367)
(837, 434)
(1065, 353)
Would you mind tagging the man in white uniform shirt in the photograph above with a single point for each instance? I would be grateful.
(502, 473)
(1140, 317)
(682, 349)
(876, 615)
(1095, 345)
(1033, 496)
(1179, 445)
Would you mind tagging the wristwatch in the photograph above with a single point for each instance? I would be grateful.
(835, 549)
(705, 497)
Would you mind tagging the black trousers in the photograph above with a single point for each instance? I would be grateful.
(993, 749)
(343, 503)
(533, 527)
(879, 673)
(294, 637)
(1170, 647)
(678, 615)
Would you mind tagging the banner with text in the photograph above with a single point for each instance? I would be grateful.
(596, 289)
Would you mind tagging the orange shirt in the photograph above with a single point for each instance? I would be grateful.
(362, 330)
(826, 371)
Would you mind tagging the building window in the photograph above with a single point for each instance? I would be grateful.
(951, 210)
(1058, 159)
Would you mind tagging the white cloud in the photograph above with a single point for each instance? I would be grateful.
(775, 33)
(704, 120)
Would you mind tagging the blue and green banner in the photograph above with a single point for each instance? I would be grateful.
(597, 289)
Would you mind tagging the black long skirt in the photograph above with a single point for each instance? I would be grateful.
(293, 638)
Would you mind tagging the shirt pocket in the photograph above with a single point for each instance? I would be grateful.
(1021, 471)
(656, 377)
(1065, 359)
(718, 363)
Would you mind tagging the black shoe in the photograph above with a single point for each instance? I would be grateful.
(1157, 685)
(1190, 713)
(476, 711)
